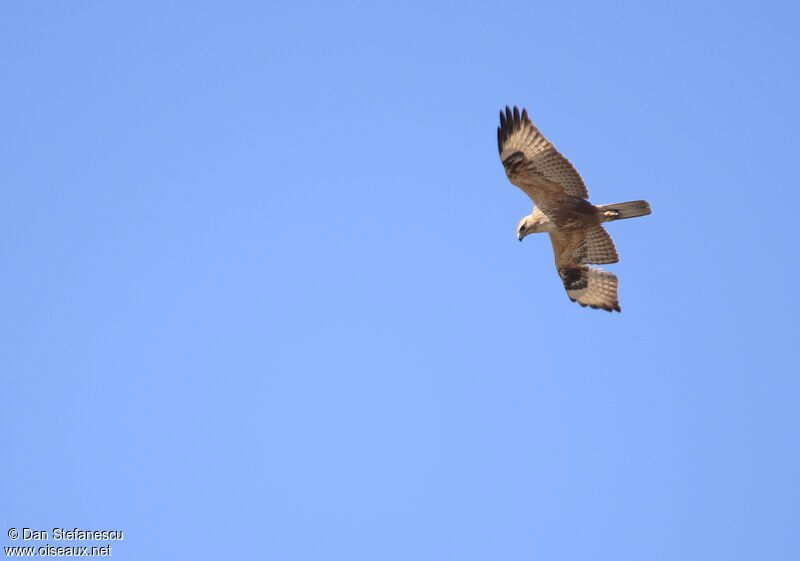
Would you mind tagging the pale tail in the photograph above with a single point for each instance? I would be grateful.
(618, 211)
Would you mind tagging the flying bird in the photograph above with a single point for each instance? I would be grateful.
(562, 210)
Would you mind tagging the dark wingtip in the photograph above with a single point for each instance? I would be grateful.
(511, 120)
(505, 129)
(514, 116)
(609, 309)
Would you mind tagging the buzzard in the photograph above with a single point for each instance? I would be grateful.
(562, 210)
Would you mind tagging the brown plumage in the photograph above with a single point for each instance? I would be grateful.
(562, 210)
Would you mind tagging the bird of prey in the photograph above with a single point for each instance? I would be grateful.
(562, 210)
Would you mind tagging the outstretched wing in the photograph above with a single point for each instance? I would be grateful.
(532, 162)
(588, 286)
(591, 286)
(596, 247)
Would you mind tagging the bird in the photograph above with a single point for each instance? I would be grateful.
(561, 208)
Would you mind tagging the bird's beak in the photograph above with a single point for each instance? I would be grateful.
(520, 238)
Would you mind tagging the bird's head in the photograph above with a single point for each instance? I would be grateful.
(534, 223)
(525, 227)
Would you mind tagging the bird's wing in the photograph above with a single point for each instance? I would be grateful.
(532, 162)
(591, 286)
(596, 247)
(588, 286)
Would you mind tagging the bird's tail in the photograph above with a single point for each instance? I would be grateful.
(618, 211)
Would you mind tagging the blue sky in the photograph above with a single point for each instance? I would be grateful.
(262, 295)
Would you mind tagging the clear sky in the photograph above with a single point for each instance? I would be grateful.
(261, 295)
